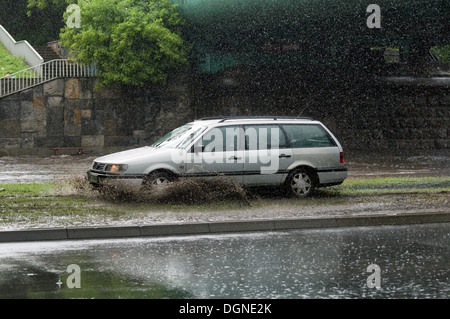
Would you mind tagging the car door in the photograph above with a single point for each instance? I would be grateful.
(218, 152)
(267, 154)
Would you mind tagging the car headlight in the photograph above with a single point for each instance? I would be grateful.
(116, 168)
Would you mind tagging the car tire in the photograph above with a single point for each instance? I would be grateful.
(300, 183)
(157, 179)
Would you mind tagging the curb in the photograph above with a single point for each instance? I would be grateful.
(177, 229)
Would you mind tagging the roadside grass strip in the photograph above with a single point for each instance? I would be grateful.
(386, 185)
(28, 202)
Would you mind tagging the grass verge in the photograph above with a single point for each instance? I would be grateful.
(391, 185)
(9, 63)
(75, 203)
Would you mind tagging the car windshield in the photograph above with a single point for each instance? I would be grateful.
(191, 137)
(179, 137)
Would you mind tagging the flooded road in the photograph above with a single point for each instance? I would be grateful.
(426, 163)
(409, 261)
(31, 169)
(69, 168)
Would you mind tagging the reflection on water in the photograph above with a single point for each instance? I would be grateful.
(414, 263)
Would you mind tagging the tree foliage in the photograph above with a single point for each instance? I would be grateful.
(442, 52)
(44, 4)
(36, 26)
(131, 41)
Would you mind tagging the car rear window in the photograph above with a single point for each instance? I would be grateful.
(308, 135)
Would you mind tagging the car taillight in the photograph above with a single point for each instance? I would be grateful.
(341, 157)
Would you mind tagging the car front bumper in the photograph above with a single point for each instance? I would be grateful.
(102, 178)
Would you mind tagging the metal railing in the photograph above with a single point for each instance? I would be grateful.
(42, 73)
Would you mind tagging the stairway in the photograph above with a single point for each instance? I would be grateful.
(54, 66)
(47, 53)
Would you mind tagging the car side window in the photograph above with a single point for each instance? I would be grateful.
(308, 135)
(221, 139)
(264, 137)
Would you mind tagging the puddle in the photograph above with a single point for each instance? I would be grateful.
(412, 261)
(31, 169)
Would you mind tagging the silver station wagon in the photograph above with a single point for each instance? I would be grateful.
(298, 154)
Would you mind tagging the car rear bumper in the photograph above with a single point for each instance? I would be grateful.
(329, 176)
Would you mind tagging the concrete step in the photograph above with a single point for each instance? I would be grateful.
(47, 53)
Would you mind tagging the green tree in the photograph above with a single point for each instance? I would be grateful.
(442, 52)
(31, 23)
(43, 4)
(131, 41)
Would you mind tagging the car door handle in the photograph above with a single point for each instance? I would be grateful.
(284, 156)
(234, 158)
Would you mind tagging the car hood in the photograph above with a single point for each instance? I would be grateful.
(132, 155)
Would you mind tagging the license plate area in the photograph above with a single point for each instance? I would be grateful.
(93, 178)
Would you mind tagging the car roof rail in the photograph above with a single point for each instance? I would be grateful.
(226, 118)
(211, 118)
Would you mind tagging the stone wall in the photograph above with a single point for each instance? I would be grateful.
(72, 113)
(398, 118)
(364, 116)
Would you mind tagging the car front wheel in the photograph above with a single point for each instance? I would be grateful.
(157, 179)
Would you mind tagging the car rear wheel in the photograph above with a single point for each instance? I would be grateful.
(300, 183)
